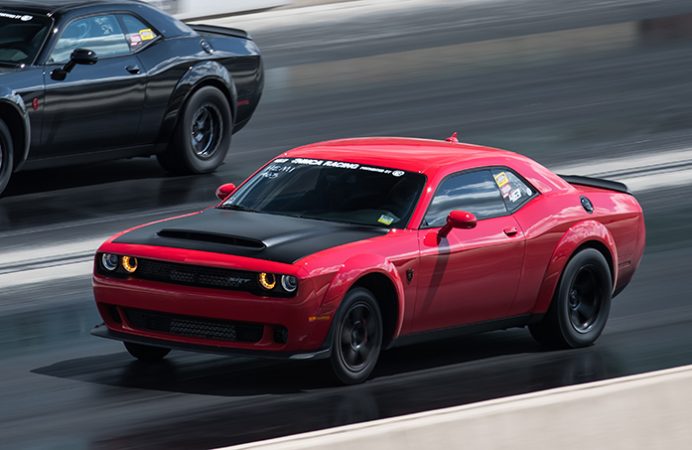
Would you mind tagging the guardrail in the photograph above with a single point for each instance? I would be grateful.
(191, 9)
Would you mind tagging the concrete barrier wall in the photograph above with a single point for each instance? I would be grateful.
(650, 411)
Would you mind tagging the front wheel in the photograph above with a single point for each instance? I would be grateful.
(6, 156)
(357, 338)
(147, 353)
(202, 137)
(580, 308)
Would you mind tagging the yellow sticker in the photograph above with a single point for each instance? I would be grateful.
(501, 179)
(147, 34)
(386, 220)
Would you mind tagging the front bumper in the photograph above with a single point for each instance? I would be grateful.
(102, 331)
(220, 321)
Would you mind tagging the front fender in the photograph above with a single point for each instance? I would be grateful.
(203, 73)
(578, 235)
(354, 269)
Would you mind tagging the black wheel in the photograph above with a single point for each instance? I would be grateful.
(147, 353)
(6, 156)
(357, 337)
(202, 137)
(581, 304)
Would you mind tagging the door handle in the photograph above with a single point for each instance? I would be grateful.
(511, 231)
(134, 70)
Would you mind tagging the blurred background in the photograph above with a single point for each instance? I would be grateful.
(592, 87)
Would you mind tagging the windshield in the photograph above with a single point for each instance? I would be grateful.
(331, 190)
(21, 37)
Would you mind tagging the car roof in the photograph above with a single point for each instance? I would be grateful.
(54, 6)
(413, 155)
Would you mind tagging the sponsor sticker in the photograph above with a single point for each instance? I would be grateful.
(398, 173)
(23, 18)
(515, 195)
(135, 40)
(386, 220)
(501, 179)
(506, 190)
(147, 34)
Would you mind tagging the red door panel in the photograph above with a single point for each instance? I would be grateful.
(471, 276)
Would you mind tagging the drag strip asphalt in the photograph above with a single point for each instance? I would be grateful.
(603, 90)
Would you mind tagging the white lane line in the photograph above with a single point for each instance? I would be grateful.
(641, 173)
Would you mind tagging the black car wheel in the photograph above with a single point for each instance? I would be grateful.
(147, 353)
(203, 135)
(581, 305)
(6, 156)
(357, 337)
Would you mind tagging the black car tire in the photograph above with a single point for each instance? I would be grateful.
(579, 310)
(202, 136)
(357, 337)
(146, 353)
(6, 156)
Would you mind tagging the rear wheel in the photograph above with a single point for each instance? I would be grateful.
(580, 308)
(147, 353)
(357, 338)
(203, 135)
(6, 156)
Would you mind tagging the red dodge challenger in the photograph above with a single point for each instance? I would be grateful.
(342, 249)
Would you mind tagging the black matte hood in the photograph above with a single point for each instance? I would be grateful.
(263, 236)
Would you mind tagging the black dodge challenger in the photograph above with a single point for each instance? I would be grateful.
(84, 81)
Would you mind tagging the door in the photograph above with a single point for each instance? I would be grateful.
(471, 275)
(96, 107)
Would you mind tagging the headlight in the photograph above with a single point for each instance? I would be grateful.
(289, 283)
(267, 280)
(109, 262)
(130, 264)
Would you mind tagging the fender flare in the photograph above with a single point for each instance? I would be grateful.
(201, 74)
(588, 233)
(19, 116)
(354, 270)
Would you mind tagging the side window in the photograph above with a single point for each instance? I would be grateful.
(138, 33)
(475, 192)
(102, 34)
(515, 192)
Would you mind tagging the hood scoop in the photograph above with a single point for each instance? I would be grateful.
(216, 238)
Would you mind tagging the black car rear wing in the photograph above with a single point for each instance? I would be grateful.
(597, 183)
(219, 31)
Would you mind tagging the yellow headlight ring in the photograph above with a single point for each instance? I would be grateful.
(267, 280)
(130, 264)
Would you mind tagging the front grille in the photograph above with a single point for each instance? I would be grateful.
(197, 275)
(189, 326)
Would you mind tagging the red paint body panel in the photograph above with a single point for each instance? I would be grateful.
(471, 276)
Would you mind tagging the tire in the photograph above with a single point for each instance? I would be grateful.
(202, 136)
(6, 156)
(579, 310)
(357, 337)
(147, 353)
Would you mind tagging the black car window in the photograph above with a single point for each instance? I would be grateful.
(21, 37)
(101, 34)
(331, 190)
(475, 192)
(515, 192)
(138, 33)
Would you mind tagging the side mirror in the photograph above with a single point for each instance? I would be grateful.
(80, 56)
(458, 219)
(225, 190)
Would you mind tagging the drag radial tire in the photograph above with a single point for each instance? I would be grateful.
(202, 136)
(357, 337)
(6, 156)
(146, 353)
(581, 304)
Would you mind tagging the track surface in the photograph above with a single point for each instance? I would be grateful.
(560, 87)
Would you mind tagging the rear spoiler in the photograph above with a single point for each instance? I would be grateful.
(597, 183)
(222, 31)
